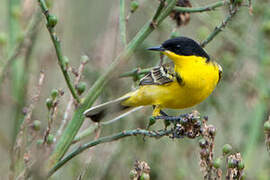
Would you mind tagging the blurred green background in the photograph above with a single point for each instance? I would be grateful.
(238, 107)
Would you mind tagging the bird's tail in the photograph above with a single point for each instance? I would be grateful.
(113, 109)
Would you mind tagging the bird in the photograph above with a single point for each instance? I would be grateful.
(186, 81)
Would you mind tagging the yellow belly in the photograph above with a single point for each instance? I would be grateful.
(199, 82)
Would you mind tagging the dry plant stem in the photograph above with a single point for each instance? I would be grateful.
(78, 117)
(155, 134)
(30, 31)
(209, 7)
(58, 50)
(86, 132)
(219, 28)
(65, 117)
(34, 99)
(51, 116)
(22, 137)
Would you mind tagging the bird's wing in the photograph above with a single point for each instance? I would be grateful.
(159, 75)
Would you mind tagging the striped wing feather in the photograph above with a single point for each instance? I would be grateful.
(159, 75)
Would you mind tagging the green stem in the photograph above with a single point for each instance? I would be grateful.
(159, 10)
(122, 22)
(219, 28)
(58, 50)
(209, 7)
(85, 133)
(80, 149)
(78, 117)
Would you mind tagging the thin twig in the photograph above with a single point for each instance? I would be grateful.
(58, 49)
(86, 132)
(155, 134)
(219, 28)
(51, 116)
(95, 126)
(209, 7)
(35, 98)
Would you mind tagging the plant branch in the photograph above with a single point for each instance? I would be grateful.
(123, 134)
(220, 27)
(78, 117)
(58, 49)
(159, 10)
(209, 7)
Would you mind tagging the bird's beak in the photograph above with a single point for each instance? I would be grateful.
(156, 48)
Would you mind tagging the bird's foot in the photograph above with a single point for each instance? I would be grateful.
(172, 119)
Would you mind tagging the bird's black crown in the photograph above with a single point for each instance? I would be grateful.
(185, 46)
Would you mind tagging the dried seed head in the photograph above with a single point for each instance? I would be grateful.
(212, 130)
(203, 143)
(133, 174)
(204, 153)
(181, 18)
(232, 163)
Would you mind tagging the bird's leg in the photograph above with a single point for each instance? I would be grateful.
(172, 119)
(163, 113)
(159, 113)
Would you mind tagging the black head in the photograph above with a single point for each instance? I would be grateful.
(182, 46)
